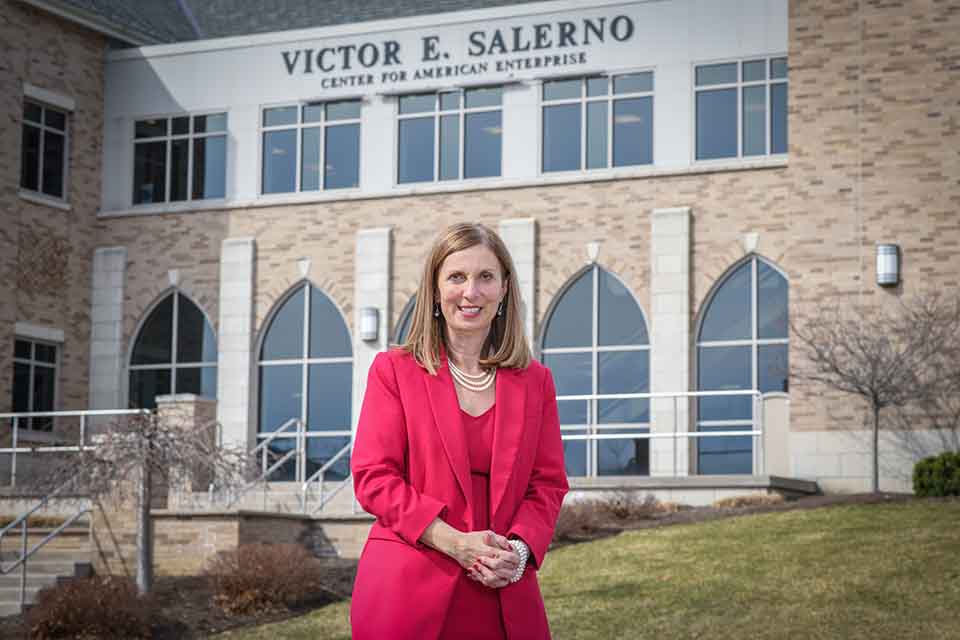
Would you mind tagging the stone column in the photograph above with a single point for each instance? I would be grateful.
(189, 412)
(520, 236)
(106, 328)
(372, 261)
(235, 341)
(670, 338)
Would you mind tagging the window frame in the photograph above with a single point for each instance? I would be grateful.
(298, 127)
(168, 139)
(593, 426)
(583, 101)
(33, 363)
(437, 114)
(43, 128)
(739, 86)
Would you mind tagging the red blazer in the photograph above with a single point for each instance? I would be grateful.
(410, 465)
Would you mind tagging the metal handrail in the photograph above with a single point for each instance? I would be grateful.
(318, 476)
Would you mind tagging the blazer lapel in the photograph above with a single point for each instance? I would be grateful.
(446, 413)
(508, 426)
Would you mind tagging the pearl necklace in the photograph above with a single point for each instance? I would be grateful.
(472, 382)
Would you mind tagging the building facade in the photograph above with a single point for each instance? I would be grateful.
(677, 180)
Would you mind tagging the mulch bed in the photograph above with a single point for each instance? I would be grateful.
(187, 612)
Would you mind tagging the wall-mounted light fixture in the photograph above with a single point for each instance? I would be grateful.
(369, 324)
(888, 265)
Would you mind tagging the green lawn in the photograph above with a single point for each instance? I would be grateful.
(872, 571)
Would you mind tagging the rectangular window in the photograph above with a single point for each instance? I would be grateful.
(34, 381)
(450, 135)
(43, 151)
(741, 108)
(180, 158)
(311, 147)
(598, 122)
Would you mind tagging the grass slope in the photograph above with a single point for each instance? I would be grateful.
(869, 571)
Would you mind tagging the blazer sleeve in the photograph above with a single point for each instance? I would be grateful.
(537, 514)
(379, 459)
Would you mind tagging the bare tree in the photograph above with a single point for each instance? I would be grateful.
(903, 358)
(128, 457)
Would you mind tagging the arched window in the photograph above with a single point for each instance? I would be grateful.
(306, 372)
(741, 344)
(405, 321)
(595, 343)
(175, 351)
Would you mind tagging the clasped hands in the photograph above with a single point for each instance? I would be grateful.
(488, 558)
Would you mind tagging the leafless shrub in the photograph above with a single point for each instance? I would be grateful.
(98, 607)
(630, 505)
(736, 502)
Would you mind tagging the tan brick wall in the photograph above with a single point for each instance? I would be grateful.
(49, 249)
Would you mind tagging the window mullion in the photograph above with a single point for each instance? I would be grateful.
(191, 140)
(322, 169)
(436, 142)
(463, 141)
(583, 126)
(594, 356)
(610, 129)
(43, 139)
(173, 345)
(298, 155)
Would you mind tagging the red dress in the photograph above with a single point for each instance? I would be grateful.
(474, 612)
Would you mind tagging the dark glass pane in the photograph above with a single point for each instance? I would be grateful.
(45, 353)
(572, 372)
(778, 118)
(279, 116)
(44, 383)
(345, 110)
(211, 123)
(632, 132)
(484, 97)
(181, 126)
(450, 101)
(597, 87)
(623, 372)
(570, 324)
(284, 339)
(778, 68)
(716, 124)
(406, 319)
(154, 343)
(30, 159)
(754, 70)
(179, 157)
(21, 388)
(329, 337)
(55, 119)
(313, 112)
(310, 162)
(725, 73)
(754, 120)
(342, 157)
(575, 454)
(597, 134)
(450, 147)
(418, 103)
(561, 138)
(210, 167)
(773, 367)
(624, 457)
(627, 410)
(195, 341)
(280, 161)
(286, 472)
(572, 411)
(562, 89)
(32, 112)
(772, 292)
(54, 148)
(483, 144)
(416, 150)
(149, 172)
(146, 385)
(280, 396)
(724, 369)
(634, 83)
(728, 316)
(725, 456)
(150, 128)
(321, 450)
(329, 400)
(21, 349)
(620, 320)
(201, 381)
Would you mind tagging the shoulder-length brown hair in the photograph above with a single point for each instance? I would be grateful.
(506, 344)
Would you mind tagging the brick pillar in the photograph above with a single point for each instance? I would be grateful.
(192, 412)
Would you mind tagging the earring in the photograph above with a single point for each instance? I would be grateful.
(500, 308)
(436, 309)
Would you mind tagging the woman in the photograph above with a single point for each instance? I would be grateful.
(458, 455)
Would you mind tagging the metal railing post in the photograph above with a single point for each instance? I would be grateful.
(676, 436)
(23, 565)
(13, 455)
(83, 430)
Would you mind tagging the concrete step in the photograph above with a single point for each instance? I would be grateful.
(10, 584)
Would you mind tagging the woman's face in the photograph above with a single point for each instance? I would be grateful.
(470, 285)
